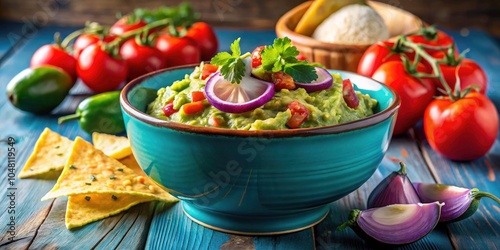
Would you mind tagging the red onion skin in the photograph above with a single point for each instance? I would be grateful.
(394, 189)
(459, 205)
(404, 232)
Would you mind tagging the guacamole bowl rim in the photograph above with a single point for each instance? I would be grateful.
(368, 121)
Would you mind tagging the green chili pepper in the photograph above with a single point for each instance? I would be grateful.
(99, 113)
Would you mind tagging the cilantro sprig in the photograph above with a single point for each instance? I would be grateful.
(232, 65)
(281, 56)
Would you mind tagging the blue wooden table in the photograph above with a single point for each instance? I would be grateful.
(40, 225)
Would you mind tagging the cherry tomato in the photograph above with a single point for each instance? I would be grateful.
(415, 95)
(376, 55)
(461, 130)
(206, 38)
(141, 59)
(207, 70)
(122, 26)
(87, 39)
(440, 38)
(257, 57)
(469, 73)
(99, 70)
(299, 114)
(350, 97)
(178, 50)
(52, 54)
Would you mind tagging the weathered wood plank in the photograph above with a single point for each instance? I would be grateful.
(10, 36)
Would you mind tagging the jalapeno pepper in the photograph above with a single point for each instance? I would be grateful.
(99, 113)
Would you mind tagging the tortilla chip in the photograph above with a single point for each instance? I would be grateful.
(114, 146)
(90, 171)
(49, 156)
(83, 209)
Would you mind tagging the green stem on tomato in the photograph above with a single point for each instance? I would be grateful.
(419, 51)
(73, 35)
(111, 47)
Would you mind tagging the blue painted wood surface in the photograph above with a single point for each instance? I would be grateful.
(157, 226)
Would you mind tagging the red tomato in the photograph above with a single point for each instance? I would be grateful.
(100, 71)
(207, 70)
(469, 73)
(462, 130)
(376, 55)
(439, 38)
(299, 114)
(85, 40)
(414, 94)
(206, 38)
(122, 26)
(301, 57)
(178, 50)
(51, 54)
(141, 59)
(197, 96)
(257, 57)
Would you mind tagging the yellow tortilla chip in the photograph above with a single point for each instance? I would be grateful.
(90, 171)
(114, 146)
(83, 209)
(49, 156)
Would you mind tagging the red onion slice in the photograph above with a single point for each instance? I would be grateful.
(324, 81)
(249, 94)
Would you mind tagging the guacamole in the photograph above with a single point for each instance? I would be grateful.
(326, 107)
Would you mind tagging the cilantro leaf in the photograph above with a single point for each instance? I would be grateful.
(232, 65)
(233, 70)
(301, 72)
(281, 56)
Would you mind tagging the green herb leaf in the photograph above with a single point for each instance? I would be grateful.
(92, 177)
(112, 177)
(114, 197)
(232, 65)
(72, 166)
(281, 56)
(120, 169)
(87, 198)
(88, 183)
(301, 72)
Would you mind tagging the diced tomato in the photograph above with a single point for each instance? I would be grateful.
(216, 121)
(197, 96)
(207, 70)
(299, 114)
(282, 80)
(192, 108)
(257, 57)
(350, 97)
(169, 110)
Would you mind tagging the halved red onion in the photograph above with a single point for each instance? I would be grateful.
(324, 81)
(394, 189)
(460, 202)
(249, 94)
(395, 224)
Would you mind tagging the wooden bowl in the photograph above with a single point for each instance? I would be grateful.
(343, 56)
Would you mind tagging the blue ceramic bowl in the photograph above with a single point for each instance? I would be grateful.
(256, 182)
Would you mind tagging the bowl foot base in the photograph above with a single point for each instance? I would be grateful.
(253, 225)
